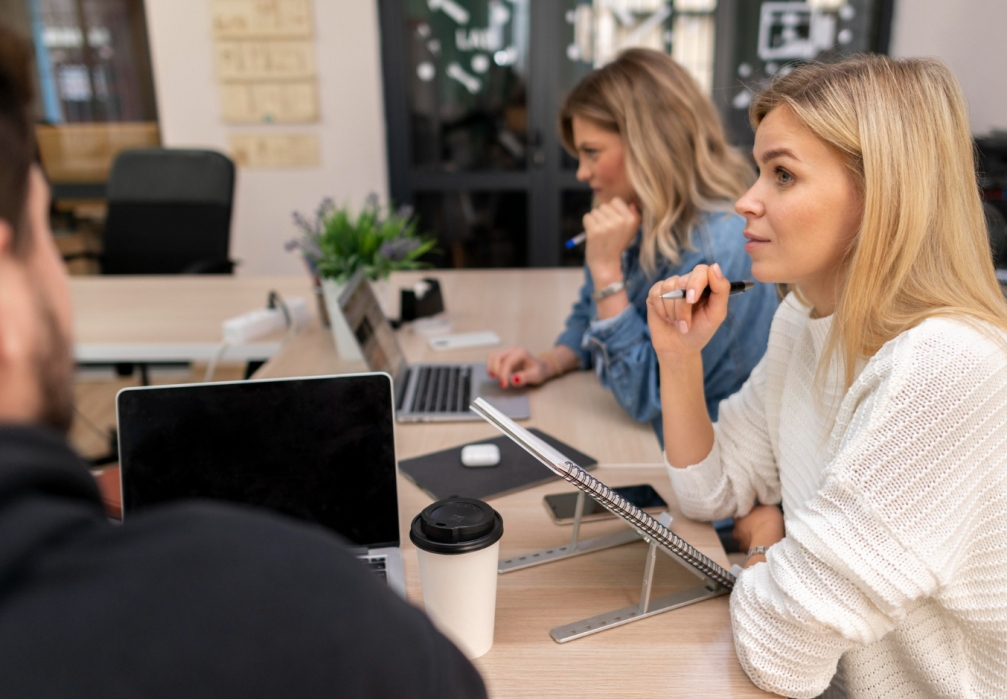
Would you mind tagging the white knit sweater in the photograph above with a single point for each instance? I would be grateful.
(895, 557)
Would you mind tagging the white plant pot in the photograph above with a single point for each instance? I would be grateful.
(346, 344)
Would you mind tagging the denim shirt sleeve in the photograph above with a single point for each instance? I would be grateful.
(620, 347)
(578, 322)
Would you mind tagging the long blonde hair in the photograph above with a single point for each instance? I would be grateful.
(902, 128)
(677, 159)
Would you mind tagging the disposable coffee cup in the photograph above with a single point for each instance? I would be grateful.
(458, 545)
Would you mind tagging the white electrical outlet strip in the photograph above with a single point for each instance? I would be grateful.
(264, 321)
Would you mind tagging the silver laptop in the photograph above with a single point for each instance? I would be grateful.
(423, 392)
(317, 449)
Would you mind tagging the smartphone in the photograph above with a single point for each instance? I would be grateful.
(562, 505)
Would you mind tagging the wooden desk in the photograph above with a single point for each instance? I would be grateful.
(685, 652)
(171, 318)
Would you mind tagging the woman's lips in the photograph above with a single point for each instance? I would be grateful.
(754, 242)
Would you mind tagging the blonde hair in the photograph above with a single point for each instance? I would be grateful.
(677, 159)
(902, 128)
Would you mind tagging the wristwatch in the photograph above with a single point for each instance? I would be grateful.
(755, 551)
(606, 291)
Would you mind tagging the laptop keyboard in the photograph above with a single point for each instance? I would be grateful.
(442, 389)
(377, 566)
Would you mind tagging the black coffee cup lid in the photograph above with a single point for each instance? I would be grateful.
(456, 525)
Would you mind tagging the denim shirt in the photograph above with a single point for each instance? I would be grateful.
(620, 350)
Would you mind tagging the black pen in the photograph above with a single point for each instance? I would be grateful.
(736, 288)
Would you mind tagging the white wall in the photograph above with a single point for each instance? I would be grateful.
(351, 129)
(971, 37)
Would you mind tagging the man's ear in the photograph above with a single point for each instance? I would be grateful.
(6, 238)
(6, 248)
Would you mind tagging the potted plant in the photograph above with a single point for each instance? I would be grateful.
(338, 242)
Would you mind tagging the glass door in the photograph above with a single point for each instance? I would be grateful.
(457, 99)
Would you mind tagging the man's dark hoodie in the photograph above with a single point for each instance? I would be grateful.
(194, 600)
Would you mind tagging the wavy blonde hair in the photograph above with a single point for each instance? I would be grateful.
(922, 250)
(677, 159)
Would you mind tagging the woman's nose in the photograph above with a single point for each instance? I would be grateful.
(583, 172)
(749, 204)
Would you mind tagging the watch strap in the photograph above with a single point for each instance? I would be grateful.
(611, 289)
(755, 551)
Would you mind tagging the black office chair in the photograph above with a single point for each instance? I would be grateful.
(169, 212)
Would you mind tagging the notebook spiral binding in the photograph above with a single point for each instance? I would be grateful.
(571, 472)
(647, 524)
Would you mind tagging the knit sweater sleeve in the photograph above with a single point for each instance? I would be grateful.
(741, 466)
(918, 438)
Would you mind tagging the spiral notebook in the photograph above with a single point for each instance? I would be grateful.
(649, 527)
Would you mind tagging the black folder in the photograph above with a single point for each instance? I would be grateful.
(442, 475)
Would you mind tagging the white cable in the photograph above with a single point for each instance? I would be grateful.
(212, 366)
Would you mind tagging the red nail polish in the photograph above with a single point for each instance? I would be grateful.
(503, 384)
(517, 380)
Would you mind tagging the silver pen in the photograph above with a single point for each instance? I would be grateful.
(736, 288)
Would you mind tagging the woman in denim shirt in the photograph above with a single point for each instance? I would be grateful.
(651, 146)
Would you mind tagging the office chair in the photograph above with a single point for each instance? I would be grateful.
(169, 212)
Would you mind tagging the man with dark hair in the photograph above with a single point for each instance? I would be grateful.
(188, 600)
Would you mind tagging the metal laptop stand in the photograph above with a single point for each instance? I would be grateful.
(647, 607)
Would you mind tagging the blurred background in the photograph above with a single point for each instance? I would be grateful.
(448, 106)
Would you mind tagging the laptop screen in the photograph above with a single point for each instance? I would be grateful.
(319, 449)
(367, 321)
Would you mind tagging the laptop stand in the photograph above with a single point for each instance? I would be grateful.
(646, 607)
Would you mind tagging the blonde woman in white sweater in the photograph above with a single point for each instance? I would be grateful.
(878, 416)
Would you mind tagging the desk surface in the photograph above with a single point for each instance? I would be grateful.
(685, 652)
(170, 318)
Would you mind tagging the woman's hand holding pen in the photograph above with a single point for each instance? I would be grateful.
(684, 326)
(610, 228)
(679, 330)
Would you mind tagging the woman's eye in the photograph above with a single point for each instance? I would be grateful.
(783, 177)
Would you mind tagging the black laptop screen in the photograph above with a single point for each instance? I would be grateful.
(321, 449)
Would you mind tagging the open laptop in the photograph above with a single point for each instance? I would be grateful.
(317, 449)
(423, 392)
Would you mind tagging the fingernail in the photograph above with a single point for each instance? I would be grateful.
(683, 327)
(716, 270)
(516, 380)
(503, 384)
(690, 296)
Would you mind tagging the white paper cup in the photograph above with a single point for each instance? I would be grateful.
(458, 546)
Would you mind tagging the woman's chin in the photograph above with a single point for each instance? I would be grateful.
(766, 274)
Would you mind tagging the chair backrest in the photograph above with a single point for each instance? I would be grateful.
(169, 212)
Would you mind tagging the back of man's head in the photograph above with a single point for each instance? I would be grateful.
(17, 143)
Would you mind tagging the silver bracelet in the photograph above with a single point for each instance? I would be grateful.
(755, 551)
(611, 289)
